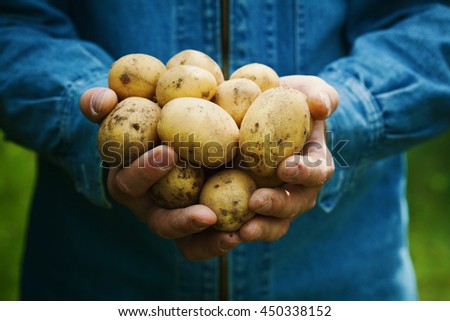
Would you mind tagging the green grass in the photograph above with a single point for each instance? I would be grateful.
(428, 190)
(429, 201)
(17, 173)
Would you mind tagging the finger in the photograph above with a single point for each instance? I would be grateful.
(264, 228)
(97, 102)
(308, 170)
(287, 201)
(207, 245)
(135, 180)
(321, 97)
(314, 167)
(177, 223)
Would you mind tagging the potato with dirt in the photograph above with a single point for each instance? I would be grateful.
(128, 131)
(227, 194)
(235, 96)
(200, 131)
(180, 187)
(185, 81)
(196, 58)
(135, 75)
(264, 76)
(275, 127)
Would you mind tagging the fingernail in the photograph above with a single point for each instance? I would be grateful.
(97, 101)
(326, 101)
(158, 159)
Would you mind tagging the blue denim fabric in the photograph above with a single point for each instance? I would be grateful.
(390, 64)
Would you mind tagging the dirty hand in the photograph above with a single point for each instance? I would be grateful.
(130, 187)
(304, 174)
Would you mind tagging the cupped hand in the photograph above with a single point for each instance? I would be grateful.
(130, 186)
(304, 174)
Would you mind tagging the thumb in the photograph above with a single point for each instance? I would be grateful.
(322, 98)
(96, 103)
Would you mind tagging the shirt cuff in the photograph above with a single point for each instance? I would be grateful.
(352, 132)
(79, 138)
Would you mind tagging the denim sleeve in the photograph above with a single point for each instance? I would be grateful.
(44, 71)
(394, 92)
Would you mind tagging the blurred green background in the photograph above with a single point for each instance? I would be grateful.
(429, 199)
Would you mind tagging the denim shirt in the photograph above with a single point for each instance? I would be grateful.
(389, 62)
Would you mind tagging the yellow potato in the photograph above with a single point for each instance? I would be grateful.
(185, 81)
(135, 75)
(128, 131)
(236, 96)
(180, 187)
(275, 126)
(199, 59)
(199, 131)
(261, 181)
(266, 181)
(227, 193)
(264, 76)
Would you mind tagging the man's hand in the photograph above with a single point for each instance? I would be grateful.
(304, 174)
(130, 187)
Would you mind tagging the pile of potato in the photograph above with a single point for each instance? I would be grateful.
(230, 134)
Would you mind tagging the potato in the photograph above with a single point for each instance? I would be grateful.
(264, 76)
(185, 81)
(227, 193)
(199, 131)
(261, 181)
(236, 96)
(275, 126)
(128, 131)
(266, 181)
(180, 187)
(199, 59)
(135, 75)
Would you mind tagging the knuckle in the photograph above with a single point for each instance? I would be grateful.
(324, 174)
(281, 231)
(158, 230)
(330, 171)
(115, 193)
(293, 215)
(320, 176)
(148, 175)
(187, 253)
(312, 203)
(158, 227)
